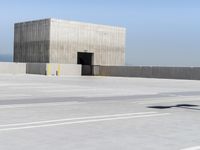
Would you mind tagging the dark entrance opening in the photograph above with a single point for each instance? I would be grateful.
(85, 59)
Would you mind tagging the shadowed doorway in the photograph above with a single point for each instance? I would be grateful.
(85, 59)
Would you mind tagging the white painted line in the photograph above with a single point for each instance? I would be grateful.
(18, 84)
(40, 105)
(10, 84)
(136, 102)
(73, 90)
(192, 148)
(14, 95)
(35, 87)
(79, 118)
(82, 121)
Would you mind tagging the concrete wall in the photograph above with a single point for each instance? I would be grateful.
(12, 68)
(36, 68)
(31, 41)
(192, 73)
(40, 68)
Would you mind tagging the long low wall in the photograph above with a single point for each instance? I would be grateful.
(192, 73)
(40, 68)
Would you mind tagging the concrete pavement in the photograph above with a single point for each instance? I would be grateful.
(101, 113)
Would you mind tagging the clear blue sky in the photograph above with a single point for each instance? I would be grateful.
(159, 32)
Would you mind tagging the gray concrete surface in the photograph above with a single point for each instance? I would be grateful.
(70, 69)
(192, 73)
(40, 69)
(36, 68)
(53, 69)
(12, 68)
(31, 41)
(101, 113)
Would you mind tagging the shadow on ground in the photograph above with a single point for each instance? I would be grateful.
(184, 106)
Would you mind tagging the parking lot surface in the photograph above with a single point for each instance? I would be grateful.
(98, 113)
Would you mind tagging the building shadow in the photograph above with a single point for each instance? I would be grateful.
(184, 106)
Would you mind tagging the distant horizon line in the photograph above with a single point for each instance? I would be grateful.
(9, 58)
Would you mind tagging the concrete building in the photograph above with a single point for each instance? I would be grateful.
(69, 42)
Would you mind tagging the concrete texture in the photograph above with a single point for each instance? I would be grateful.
(101, 113)
(59, 41)
(191, 73)
(36, 68)
(63, 69)
(53, 69)
(12, 68)
(31, 41)
(41, 69)
(70, 69)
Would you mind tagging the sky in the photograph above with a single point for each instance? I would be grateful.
(159, 32)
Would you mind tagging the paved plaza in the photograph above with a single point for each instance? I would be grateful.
(98, 113)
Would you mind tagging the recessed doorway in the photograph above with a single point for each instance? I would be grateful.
(86, 60)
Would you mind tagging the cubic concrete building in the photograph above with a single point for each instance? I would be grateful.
(69, 42)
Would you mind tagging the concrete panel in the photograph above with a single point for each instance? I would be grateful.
(172, 72)
(70, 69)
(36, 68)
(195, 73)
(145, 72)
(96, 71)
(12, 68)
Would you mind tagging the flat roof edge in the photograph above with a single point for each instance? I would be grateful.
(71, 21)
(31, 21)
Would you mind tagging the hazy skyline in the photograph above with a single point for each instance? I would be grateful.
(164, 33)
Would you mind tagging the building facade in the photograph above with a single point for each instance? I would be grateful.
(69, 42)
